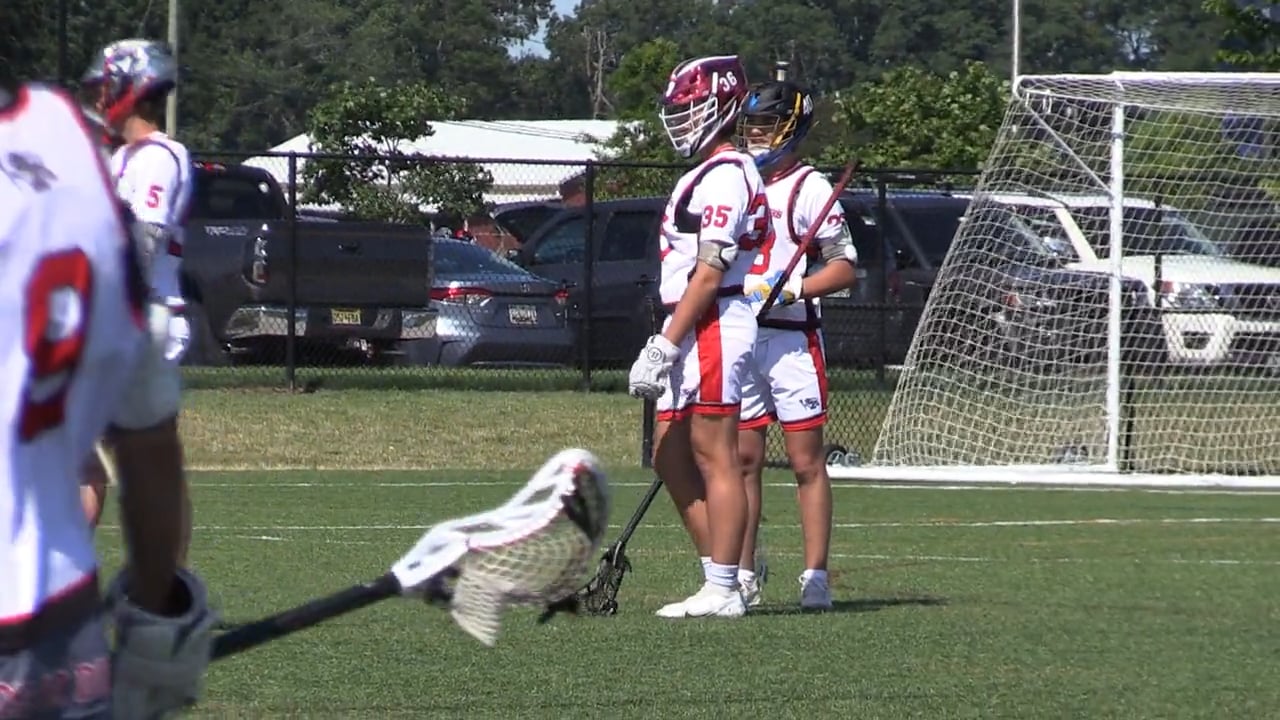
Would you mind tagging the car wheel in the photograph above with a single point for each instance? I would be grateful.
(835, 454)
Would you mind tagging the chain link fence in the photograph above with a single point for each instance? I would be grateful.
(405, 272)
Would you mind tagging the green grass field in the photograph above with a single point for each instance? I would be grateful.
(951, 603)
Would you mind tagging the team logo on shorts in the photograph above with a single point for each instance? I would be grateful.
(811, 403)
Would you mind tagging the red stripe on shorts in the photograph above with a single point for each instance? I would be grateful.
(819, 363)
(710, 358)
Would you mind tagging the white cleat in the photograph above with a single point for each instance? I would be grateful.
(752, 589)
(710, 601)
(814, 593)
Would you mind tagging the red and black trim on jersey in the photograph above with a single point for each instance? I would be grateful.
(136, 285)
(174, 247)
(691, 222)
(812, 321)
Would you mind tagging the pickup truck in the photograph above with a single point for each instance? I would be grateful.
(361, 287)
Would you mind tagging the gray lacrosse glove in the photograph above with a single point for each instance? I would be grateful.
(159, 661)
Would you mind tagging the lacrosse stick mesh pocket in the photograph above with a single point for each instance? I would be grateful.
(536, 570)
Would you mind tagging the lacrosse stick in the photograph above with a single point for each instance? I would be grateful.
(600, 595)
(807, 239)
(532, 550)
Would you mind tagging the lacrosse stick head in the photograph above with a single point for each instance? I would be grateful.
(600, 595)
(531, 551)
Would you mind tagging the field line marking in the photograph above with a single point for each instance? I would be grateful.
(844, 526)
(834, 486)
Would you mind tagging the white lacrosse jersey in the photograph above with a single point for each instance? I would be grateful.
(796, 199)
(154, 175)
(722, 200)
(71, 334)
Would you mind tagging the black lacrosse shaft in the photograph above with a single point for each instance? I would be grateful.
(638, 515)
(304, 616)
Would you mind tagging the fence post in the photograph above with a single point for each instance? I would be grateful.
(588, 272)
(290, 342)
(882, 202)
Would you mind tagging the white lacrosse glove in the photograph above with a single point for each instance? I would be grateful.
(178, 339)
(159, 662)
(758, 287)
(650, 370)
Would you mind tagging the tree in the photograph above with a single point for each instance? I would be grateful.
(637, 85)
(911, 117)
(1251, 37)
(368, 119)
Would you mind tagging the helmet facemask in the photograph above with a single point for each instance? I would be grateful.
(701, 101)
(775, 120)
(690, 126)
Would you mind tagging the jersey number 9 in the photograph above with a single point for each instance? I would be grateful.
(57, 314)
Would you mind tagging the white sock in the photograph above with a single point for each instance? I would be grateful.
(725, 576)
(819, 575)
(706, 564)
(746, 576)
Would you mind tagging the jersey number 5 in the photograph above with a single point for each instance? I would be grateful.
(57, 314)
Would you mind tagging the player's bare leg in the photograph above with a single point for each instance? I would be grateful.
(751, 449)
(673, 462)
(713, 440)
(813, 495)
(93, 488)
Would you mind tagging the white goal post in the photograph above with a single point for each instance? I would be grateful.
(1109, 311)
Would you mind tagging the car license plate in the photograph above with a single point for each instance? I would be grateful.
(522, 314)
(344, 317)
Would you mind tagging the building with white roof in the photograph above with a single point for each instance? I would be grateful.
(572, 141)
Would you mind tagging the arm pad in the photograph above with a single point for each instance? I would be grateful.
(840, 248)
(717, 255)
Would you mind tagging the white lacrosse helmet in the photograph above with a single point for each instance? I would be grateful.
(702, 98)
(124, 73)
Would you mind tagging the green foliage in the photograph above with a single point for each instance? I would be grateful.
(641, 76)
(914, 118)
(637, 84)
(1251, 39)
(254, 69)
(371, 119)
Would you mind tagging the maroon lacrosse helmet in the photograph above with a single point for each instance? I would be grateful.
(702, 98)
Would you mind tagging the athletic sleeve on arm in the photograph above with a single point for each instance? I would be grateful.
(721, 201)
(832, 238)
(153, 393)
(155, 185)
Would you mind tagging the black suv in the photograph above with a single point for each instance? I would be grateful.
(901, 238)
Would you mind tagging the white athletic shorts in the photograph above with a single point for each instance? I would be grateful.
(707, 380)
(786, 381)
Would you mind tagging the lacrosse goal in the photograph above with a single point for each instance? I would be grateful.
(1109, 311)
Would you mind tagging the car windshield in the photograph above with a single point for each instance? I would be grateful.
(1041, 232)
(458, 258)
(1147, 231)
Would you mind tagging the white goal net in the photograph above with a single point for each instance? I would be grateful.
(1109, 310)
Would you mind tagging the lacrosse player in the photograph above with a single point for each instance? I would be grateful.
(787, 378)
(714, 223)
(84, 358)
(126, 87)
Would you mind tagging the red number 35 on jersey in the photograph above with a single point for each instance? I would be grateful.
(58, 299)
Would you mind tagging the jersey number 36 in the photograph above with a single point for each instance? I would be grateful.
(57, 314)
